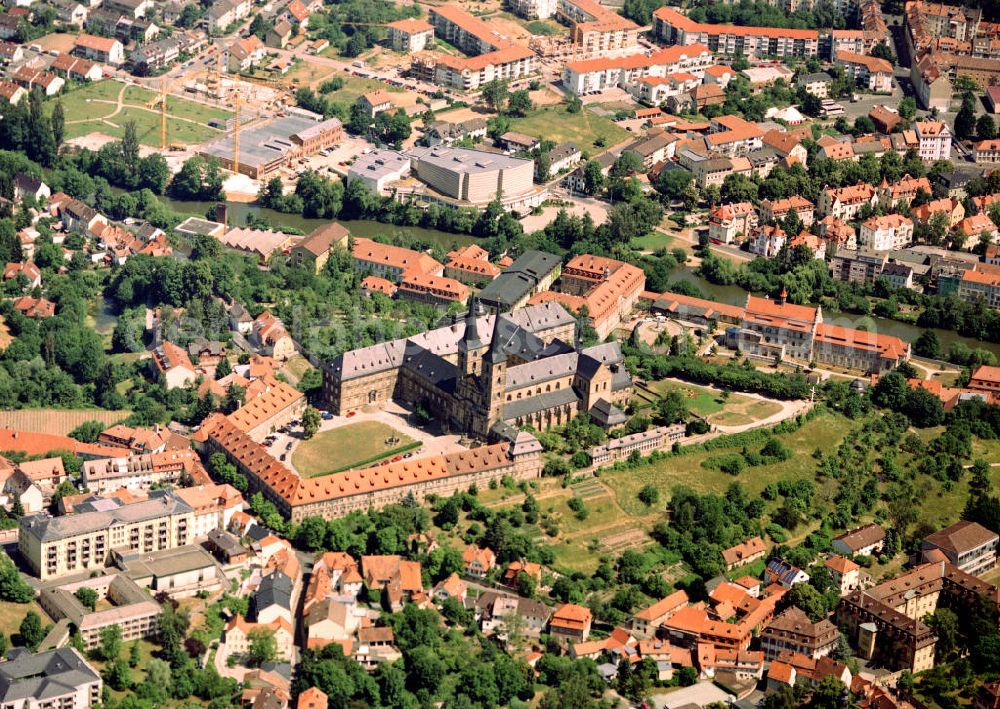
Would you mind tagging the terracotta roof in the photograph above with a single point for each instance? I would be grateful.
(377, 284)
(873, 64)
(866, 536)
(98, 44)
(751, 547)
(781, 672)
(888, 346)
(276, 397)
(394, 256)
(841, 565)
(674, 601)
(674, 18)
(663, 57)
(570, 616)
(169, 356)
(312, 698)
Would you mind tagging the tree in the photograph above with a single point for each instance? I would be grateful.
(649, 495)
(882, 51)
(809, 600)
(263, 647)
(4, 645)
(134, 655)
(223, 368)
(965, 119)
(31, 632)
(259, 26)
(908, 108)
(593, 177)
(673, 183)
(519, 103)
(87, 596)
(574, 104)
(13, 587)
(986, 127)
(310, 422)
(927, 345)
(111, 642)
(829, 694)
(58, 120)
(628, 163)
(494, 94)
(944, 622)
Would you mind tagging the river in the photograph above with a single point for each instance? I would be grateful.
(366, 228)
(734, 295)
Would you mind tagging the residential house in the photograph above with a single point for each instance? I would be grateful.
(779, 209)
(172, 364)
(245, 53)
(729, 223)
(27, 269)
(845, 573)
(817, 84)
(886, 233)
(376, 102)
(786, 574)
(871, 72)
(744, 553)
(478, 562)
(314, 251)
(766, 241)
(224, 13)
(935, 140)
(269, 334)
(279, 34)
(844, 203)
(100, 49)
(571, 622)
(645, 623)
(867, 540)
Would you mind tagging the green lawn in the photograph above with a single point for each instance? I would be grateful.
(655, 241)
(94, 102)
(823, 432)
(345, 447)
(90, 100)
(354, 86)
(554, 123)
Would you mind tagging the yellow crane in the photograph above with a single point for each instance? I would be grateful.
(236, 137)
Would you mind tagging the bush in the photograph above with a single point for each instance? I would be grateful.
(776, 533)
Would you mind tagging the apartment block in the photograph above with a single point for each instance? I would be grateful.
(57, 546)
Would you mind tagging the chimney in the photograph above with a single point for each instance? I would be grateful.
(782, 297)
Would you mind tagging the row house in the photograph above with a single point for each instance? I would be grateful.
(469, 73)
(673, 27)
(596, 75)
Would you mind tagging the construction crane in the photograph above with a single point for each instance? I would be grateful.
(236, 137)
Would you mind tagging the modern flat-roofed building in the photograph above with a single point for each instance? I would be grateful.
(266, 148)
(56, 546)
(598, 30)
(55, 678)
(379, 169)
(475, 177)
(673, 27)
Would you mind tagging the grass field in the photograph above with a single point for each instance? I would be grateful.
(655, 241)
(554, 123)
(57, 421)
(354, 86)
(93, 108)
(296, 367)
(346, 446)
(737, 410)
(11, 615)
(823, 432)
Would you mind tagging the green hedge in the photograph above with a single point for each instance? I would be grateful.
(375, 458)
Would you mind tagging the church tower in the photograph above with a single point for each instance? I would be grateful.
(493, 384)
